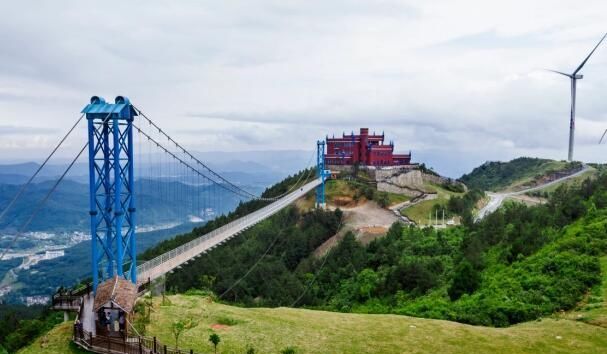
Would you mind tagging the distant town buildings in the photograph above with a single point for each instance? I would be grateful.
(363, 149)
(36, 300)
(32, 260)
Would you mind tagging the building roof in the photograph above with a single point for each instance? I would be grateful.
(119, 291)
(121, 107)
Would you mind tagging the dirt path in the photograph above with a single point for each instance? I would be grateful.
(367, 221)
(396, 209)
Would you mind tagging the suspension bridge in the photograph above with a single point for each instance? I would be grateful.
(120, 137)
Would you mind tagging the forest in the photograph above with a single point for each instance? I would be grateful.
(516, 265)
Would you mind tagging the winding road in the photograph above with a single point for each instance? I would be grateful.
(496, 199)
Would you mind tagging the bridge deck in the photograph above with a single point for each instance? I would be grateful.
(168, 261)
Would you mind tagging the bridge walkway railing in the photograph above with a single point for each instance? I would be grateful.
(174, 258)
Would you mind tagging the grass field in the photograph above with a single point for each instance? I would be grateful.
(271, 330)
(394, 198)
(58, 340)
(420, 211)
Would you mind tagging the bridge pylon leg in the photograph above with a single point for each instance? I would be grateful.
(111, 189)
(320, 173)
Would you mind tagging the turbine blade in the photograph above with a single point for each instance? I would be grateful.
(603, 136)
(588, 57)
(558, 72)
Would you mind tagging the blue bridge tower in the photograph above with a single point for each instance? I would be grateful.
(111, 183)
(320, 173)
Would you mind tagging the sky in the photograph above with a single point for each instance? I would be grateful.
(455, 82)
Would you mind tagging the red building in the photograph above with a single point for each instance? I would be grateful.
(364, 149)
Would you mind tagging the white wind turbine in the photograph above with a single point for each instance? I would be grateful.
(574, 77)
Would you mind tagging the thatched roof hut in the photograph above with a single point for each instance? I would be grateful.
(117, 291)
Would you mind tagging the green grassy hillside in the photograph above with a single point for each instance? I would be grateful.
(57, 340)
(542, 267)
(271, 330)
(420, 212)
(497, 176)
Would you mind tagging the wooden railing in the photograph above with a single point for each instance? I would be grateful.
(69, 299)
(125, 345)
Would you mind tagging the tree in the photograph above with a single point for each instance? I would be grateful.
(214, 338)
(149, 303)
(366, 282)
(288, 350)
(207, 281)
(178, 327)
(465, 281)
(382, 200)
(165, 300)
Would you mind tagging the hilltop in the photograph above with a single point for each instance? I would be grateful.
(517, 174)
(521, 264)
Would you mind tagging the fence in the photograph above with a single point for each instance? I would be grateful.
(231, 228)
(147, 345)
(65, 299)
(125, 345)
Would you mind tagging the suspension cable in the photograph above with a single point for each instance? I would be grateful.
(296, 185)
(52, 190)
(246, 193)
(31, 179)
(313, 280)
(252, 267)
(266, 253)
(193, 157)
(42, 202)
(160, 146)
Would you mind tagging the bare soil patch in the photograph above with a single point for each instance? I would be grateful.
(219, 326)
(343, 201)
(367, 221)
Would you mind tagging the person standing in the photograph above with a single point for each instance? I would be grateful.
(108, 322)
(121, 323)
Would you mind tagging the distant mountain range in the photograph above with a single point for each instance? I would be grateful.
(162, 199)
(158, 202)
(267, 166)
(159, 196)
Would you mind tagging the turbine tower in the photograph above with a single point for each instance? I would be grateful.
(574, 77)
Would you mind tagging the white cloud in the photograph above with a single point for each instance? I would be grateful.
(446, 79)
